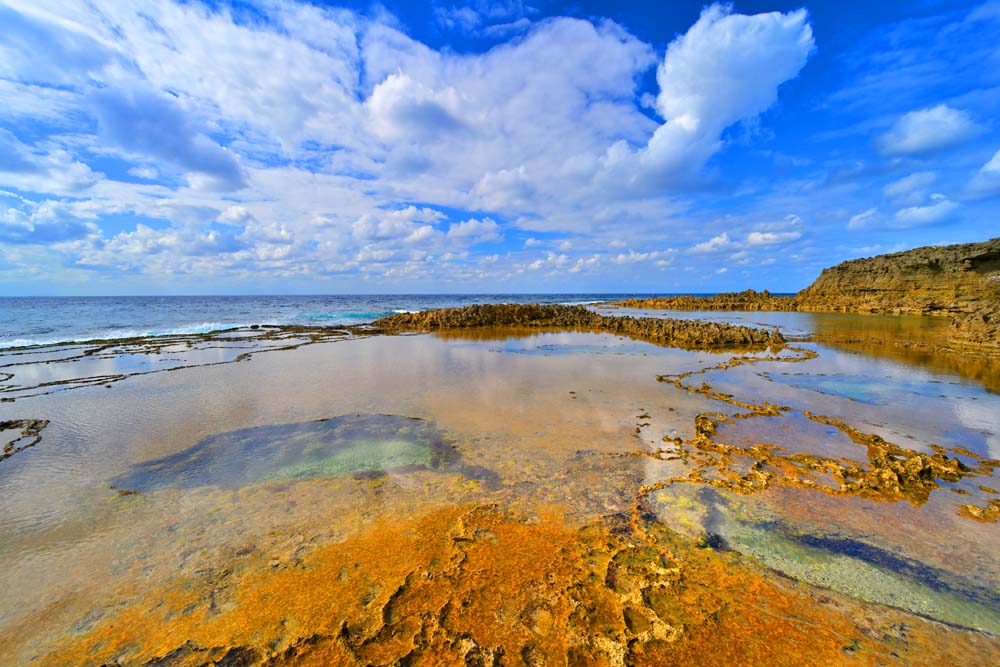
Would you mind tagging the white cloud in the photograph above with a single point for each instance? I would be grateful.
(633, 257)
(910, 189)
(43, 170)
(325, 127)
(714, 244)
(920, 216)
(771, 238)
(475, 231)
(44, 224)
(928, 130)
(148, 173)
(725, 69)
(987, 180)
(156, 126)
(863, 220)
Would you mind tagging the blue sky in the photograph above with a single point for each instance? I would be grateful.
(291, 147)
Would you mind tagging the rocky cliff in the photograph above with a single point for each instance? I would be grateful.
(935, 280)
(961, 281)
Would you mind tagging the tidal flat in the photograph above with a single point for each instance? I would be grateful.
(502, 496)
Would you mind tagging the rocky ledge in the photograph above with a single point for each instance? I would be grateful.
(745, 300)
(677, 333)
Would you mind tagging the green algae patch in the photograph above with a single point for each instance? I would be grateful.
(351, 444)
(366, 456)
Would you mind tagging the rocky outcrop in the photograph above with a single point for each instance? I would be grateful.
(960, 281)
(26, 432)
(934, 280)
(678, 333)
(977, 332)
(745, 300)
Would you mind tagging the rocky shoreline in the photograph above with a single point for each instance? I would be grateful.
(958, 281)
(687, 334)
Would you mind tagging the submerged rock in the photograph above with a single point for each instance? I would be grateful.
(359, 445)
(678, 333)
(28, 433)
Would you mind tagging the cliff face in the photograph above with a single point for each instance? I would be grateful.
(936, 280)
(962, 281)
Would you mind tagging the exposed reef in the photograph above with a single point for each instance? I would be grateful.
(62, 366)
(892, 473)
(959, 281)
(677, 333)
(480, 586)
(26, 433)
(746, 300)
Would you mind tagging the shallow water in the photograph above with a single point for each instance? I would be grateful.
(187, 487)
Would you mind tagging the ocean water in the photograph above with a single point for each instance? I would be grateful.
(46, 320)
(149, 512)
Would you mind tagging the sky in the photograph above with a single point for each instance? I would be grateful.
(214, 147)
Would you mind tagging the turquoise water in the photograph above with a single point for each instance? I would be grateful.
(352, 444)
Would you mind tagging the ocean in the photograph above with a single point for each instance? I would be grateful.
(47, 320)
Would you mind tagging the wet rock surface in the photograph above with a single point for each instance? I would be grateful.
(891, 473)
(39, 370)
(747, 300)
(679, 333)
(25, 433)
(504, 588)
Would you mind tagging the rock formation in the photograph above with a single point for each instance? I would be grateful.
(934, 280)
(678, 333)
(745, 300)
(961, 281)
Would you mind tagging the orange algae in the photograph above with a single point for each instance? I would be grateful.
(892, 472)
(477, 585)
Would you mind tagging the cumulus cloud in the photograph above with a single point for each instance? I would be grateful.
(725, 69)
(662, 257)
(928, 130)
(475, 231)
(403, 109)
(714, 244)
(155, 125)
(47, 171)
(45, 224)
(324, 127)
(921, 216)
